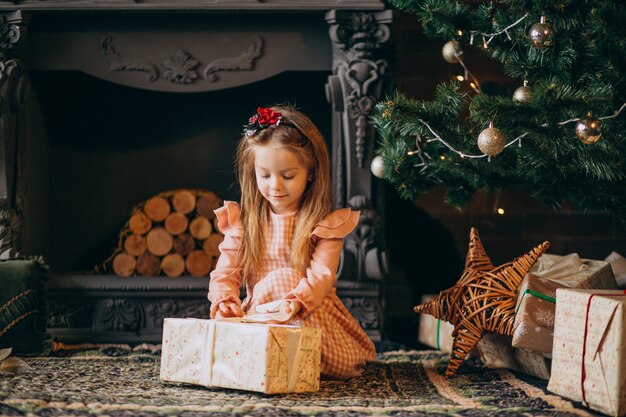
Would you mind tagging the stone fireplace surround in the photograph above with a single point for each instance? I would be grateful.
(186, 47)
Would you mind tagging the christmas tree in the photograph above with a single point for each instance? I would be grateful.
(560, 136)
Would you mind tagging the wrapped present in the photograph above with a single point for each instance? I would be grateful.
(588, 359)
(261, 357)
(618, 265)
(495, 351)
(434, 332)
(534, 315)
(573, 272)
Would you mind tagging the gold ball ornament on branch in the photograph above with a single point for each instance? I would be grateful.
(540, 34)
(378, 167)
(451, 52)
(522, 94)
(491, 141)
(589, 129)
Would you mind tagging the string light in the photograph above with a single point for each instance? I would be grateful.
(518, 140)
(488, 37)
(500, 210)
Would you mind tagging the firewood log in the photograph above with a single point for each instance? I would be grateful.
(159, 241)
(184, 244)
(139, 223)
(176, 223)
(124, 264)
(135, 244)
(184, 201)
(148, 265)
(211, 244)
(207, 203)
(157, 208)
(198, 263)
(200, 228)
(173, 265)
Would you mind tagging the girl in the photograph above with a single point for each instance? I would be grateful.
(284, 240)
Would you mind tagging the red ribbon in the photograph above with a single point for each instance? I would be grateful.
(583, 373)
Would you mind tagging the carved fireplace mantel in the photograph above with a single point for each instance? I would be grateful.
(190, 47)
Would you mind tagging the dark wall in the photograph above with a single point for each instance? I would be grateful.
(427, 239)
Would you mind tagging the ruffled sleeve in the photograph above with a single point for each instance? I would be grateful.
(321, 275)
(226, 278)
(337, 224)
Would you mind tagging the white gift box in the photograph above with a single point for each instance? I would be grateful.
(588, 357)
(269, 358)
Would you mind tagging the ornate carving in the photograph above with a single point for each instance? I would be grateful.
(243, 62)
(366, 311)
(117, 314)
(355, 40)
(177, 308)
(363, 242)
(180, 68)
(70, 313)
(10, 230)
(359, 79)
(117, 62)
(12, 92)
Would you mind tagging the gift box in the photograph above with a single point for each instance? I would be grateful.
(588, 359)
(618, 265)
(434, 332)
(534, 315)
(495, 351)
(573, 272)
(249, 356)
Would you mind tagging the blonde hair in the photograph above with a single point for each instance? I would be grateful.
(300, 136)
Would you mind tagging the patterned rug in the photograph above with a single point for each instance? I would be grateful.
(121, 383)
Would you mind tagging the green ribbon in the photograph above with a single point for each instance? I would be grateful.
(536, 294)
(438, 332)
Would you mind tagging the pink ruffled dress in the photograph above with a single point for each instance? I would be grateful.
(345, 346)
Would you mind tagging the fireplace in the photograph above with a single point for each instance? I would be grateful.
(108, 103)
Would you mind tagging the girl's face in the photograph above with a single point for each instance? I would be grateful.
(281, 177)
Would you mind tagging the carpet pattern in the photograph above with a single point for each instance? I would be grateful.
(121, 383)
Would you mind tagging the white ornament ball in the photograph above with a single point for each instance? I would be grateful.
(451, 51)
(491, 141)
(522, 94)
(378, 166)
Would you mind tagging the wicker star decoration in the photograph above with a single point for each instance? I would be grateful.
(482, 301)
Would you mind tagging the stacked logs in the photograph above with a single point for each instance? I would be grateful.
(173, 233)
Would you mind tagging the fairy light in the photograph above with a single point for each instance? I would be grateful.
(488, 37)
(459, 78)
(518, 139)
(500, 210)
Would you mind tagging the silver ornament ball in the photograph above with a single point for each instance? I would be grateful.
(540, 34)
(589, 130)
(522, 94)
(378, 166)
(491, 141)
(451, 51)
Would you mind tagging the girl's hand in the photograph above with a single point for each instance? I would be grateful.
(288, 307)
(228, 309)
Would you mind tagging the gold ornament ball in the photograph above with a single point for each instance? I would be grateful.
(522, 94)
(450, 51)
(386, 114)
(491, 141)
(378, 166)
(540, 34)
(589, 130)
